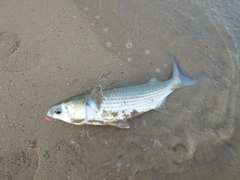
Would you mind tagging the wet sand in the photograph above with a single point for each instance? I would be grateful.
(52, 50)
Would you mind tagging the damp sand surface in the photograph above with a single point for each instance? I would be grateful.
(52, 50)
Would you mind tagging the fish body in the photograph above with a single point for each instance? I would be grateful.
(114, 106)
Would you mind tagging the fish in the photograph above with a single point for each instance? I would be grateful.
(114, 107)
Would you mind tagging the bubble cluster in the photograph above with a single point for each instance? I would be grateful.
(97, 17)
(85, 9)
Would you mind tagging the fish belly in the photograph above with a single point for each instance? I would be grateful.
(128, 109)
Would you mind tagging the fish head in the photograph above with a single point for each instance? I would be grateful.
(60, 112)
(70, 111)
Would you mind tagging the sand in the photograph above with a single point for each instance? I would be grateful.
(52, 50)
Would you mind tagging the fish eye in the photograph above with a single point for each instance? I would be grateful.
(58, 111)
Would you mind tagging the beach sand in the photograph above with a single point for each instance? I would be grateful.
(52, 50)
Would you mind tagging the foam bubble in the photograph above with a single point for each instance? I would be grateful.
(147, 51)
(129, 45)
(109, 44)
(105, 30)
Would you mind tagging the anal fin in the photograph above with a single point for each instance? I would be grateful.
(161, 107)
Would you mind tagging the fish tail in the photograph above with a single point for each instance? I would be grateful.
(179, 75)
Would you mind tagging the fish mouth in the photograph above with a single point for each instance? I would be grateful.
(48, 117)
(43, 118)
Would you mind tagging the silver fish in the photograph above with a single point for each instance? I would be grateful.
(114, 106)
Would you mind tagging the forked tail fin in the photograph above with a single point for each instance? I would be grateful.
(178, 74)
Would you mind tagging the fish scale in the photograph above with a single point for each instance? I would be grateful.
(134, 97)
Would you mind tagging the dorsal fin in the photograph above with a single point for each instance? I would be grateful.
(153, 79)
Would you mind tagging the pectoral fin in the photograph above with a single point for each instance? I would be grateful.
(95, 98)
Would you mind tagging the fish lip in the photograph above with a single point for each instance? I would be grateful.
(43, 118)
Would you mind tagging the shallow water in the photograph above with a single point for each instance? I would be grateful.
(62, 51)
